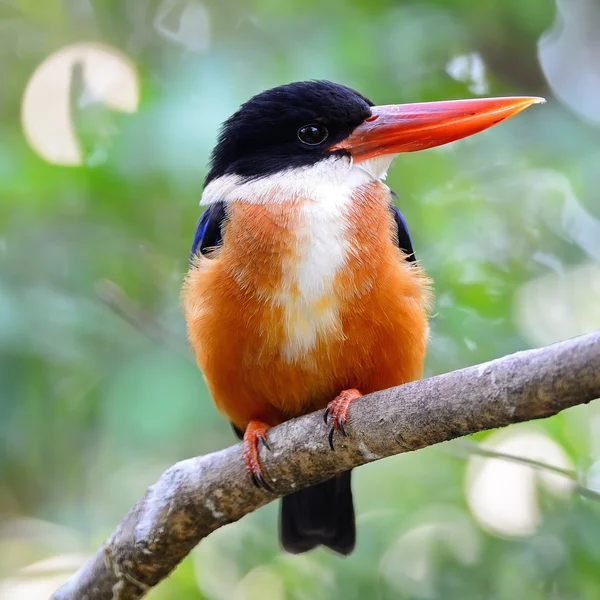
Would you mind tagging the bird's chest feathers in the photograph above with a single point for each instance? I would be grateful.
(298, 266)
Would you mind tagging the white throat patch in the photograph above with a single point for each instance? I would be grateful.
(324, 191)
(331, 177)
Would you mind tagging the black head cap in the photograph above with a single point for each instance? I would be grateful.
(288, 126)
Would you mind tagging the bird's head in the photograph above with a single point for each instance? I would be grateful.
(297, 137)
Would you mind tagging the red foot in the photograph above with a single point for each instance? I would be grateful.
(256, 432)
(336, 412)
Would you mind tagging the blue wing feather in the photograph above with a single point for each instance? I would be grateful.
(404, 239)
(209, 229)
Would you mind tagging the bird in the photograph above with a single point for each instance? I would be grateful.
(303, 291)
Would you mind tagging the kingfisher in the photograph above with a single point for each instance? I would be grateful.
(303, 291)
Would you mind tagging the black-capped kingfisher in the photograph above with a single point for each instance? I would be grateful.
(303, 291)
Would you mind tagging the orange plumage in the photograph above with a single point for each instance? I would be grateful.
(238, 323)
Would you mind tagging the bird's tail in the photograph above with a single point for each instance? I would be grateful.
(322, 514)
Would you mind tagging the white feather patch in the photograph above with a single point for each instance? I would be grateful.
(319, 182)
(322, 251)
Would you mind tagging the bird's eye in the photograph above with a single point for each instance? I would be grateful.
(313, 134)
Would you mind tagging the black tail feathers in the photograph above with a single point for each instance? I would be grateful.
(322, 514)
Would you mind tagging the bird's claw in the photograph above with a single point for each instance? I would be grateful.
(330, 436)
(259, 481)
(255, 433)
(266, 444)
(336, 413)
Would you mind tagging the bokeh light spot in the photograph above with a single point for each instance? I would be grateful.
(109, 78)
(568, 55)
(469, 68)
(559, 306)
(186, 23)
(502, 495)
(409, 565)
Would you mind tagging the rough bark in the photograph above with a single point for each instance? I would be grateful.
(196, 496)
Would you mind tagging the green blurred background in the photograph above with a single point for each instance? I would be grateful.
(102, 161)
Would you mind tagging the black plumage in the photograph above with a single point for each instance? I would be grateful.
(321, 514)
(261, 137)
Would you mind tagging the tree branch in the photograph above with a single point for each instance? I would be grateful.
(196, 496)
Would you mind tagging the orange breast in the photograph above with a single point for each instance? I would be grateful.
(273, 341)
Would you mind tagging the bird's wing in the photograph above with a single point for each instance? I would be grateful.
(209, 235)
(404, 241)
(209, 229)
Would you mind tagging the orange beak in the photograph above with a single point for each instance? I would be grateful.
(409, 127)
